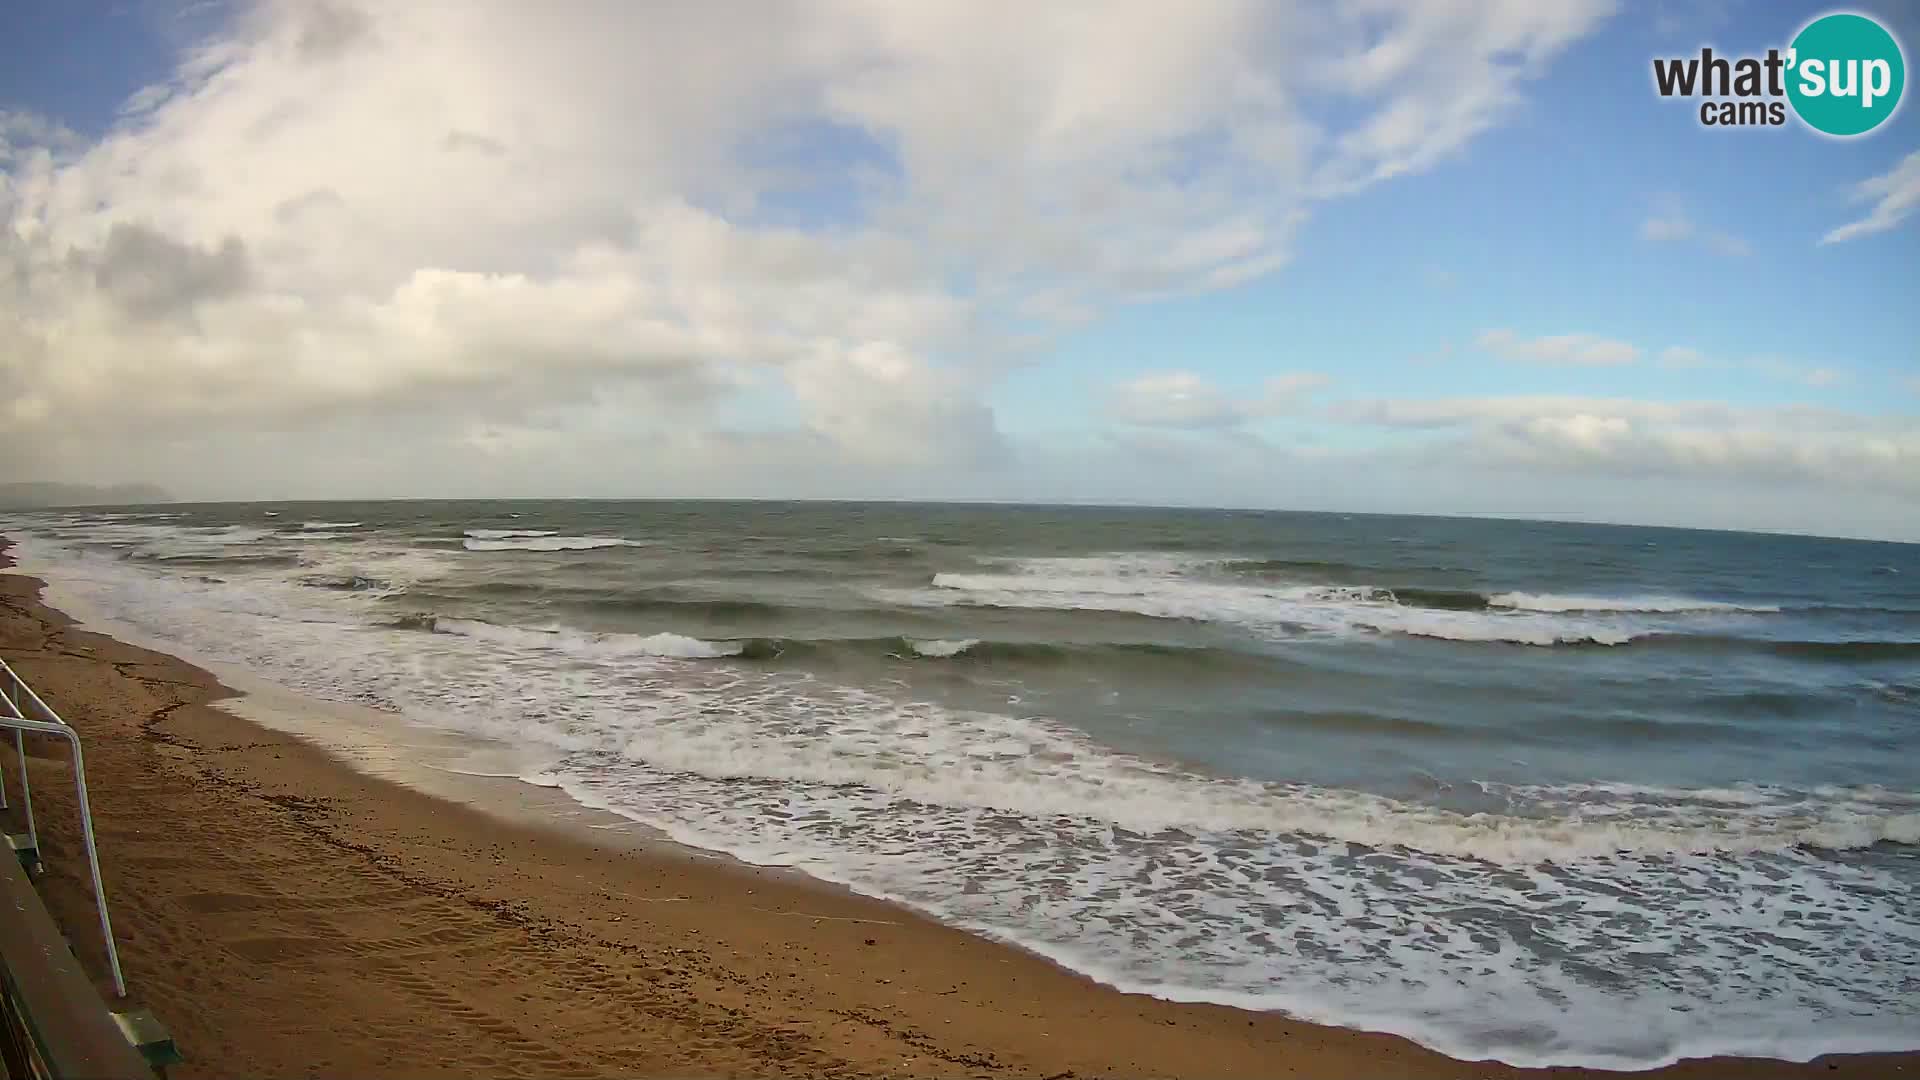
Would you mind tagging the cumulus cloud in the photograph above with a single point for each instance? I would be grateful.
(486, 227)
(1895, 195)
(883, 405)
(148, 275)
(1574, 349)
(1182, 399)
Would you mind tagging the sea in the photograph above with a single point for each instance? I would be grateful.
(1545, 793)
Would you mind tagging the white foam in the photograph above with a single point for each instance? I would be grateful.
(1474, 626)
(1189, 586)
(228, 534)
(392, 570)
(1601, 924)
(577, 643)
(547, 543)
(942, 648)
(1160, 588)
(506, 534)
(329, 526)
(1657, 604)
(165, 541)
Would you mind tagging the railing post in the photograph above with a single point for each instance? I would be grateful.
(93, 865)
(6, 695)
(26, 790)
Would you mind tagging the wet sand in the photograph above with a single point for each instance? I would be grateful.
(287, 915)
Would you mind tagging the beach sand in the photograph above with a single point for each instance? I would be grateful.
(286, 915)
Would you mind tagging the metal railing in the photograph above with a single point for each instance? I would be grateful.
(17, 700)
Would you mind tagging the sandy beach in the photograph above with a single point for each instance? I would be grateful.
(287, 915)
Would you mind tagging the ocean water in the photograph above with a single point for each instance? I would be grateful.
(1547, 793)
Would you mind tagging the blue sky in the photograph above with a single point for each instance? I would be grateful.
(1538, 227)
(79, 63)
(910, 257)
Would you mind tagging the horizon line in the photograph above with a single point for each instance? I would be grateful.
(1536, 517)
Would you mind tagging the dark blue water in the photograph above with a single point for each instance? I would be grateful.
(1546, 792)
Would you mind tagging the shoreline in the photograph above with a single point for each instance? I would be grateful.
(282, 910)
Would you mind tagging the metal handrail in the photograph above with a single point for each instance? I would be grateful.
(15, 693)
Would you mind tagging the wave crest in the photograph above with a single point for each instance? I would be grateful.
(576, 642)
(505, 534)
(547, 542)
(1659, 605)
(1273, 611)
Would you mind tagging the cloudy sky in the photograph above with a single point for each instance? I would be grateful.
(1401, 255)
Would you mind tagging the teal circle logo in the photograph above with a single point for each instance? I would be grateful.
(1845, 74)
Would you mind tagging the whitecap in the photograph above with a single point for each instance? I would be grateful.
(547, 542)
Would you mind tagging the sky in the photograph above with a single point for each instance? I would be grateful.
(1422, 256)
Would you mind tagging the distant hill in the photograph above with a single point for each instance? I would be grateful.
(33, 495)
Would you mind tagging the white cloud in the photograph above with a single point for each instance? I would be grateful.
(1681, 356)
(1446, 412)
(1727, 244)
(885, 406)
(1670, 222)
(25, 135)
(1693, 17)
(1576, 349)
(1815, 376)
(1182, 399)
(1792, 444)
(475, 225)
(1594, 351)
(1895, 195)
(1666, 227)
(1451, 70)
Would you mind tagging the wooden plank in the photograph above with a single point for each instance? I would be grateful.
(49, 996)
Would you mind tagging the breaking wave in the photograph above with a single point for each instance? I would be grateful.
(1631, 604)
(580, 643)
(547, 542)
(1174, 587)
(506, 534)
